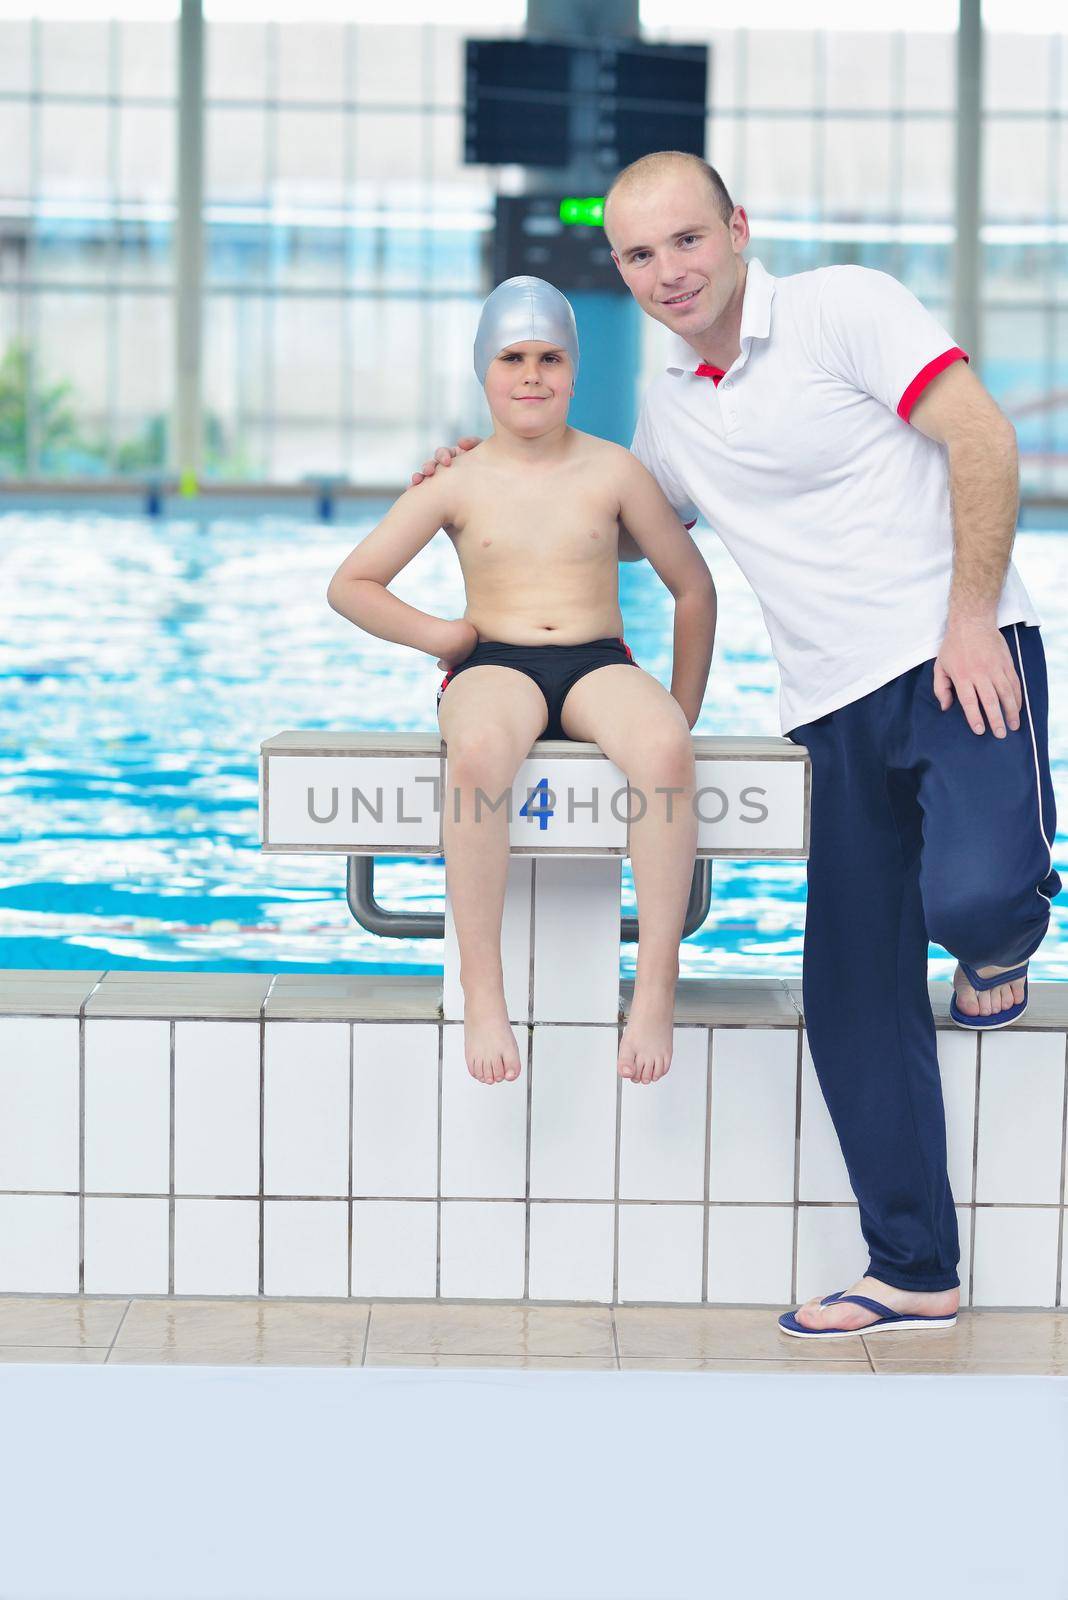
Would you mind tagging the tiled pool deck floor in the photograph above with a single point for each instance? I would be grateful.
(316, 1333)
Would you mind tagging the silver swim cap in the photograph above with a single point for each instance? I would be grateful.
(524, 308)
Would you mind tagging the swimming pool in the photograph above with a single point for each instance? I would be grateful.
(143, 661)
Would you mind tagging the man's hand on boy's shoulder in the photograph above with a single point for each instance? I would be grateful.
(443, 456)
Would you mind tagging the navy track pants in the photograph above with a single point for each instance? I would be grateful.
(920, 829)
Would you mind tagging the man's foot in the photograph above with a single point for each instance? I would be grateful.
(646, 1046)
(986, 1002)
(489, 1043)
(836, 1315)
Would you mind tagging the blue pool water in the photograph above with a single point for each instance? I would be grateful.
(141, 664)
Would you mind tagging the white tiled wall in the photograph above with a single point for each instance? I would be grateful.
(571, 1251)
(576, 939)
(216, 1246)
(750, 1253)
(482, 1249)
(1015, 1256)
(126, 1247)
(394, 1249)
(127, 1106)
(957, 1052)
(216, 1108)
(754, 1114)
(483, 1127)
(662, 1132)
(306, 1108)
(384, 1169)
(573, 1113)
(1021, 1095)
(395, 1108)
(305, 1247)
(660, 1249)
(39, 1244)
(38, 1103)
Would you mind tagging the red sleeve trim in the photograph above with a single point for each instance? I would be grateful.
(922, 379)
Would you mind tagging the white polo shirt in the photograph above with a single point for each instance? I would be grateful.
(800, 457)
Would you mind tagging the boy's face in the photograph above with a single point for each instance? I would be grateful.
(528, 387)
(678, 257)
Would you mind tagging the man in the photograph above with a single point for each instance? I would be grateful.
(834, 438)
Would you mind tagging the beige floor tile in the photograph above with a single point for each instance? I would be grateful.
(44, 994)
(707, 1364)
(355, 997)
(748, 1002)
(1003, 1369)
(244, 1330)
(76, 1355)
(1037, 1336)
(722, 1332)
(210, 1355)
(452, 1328)
(59, 1320)
(339, 1333)
(452, 1359)
(180, 994)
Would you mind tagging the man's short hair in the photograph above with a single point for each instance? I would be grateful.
(659, 162)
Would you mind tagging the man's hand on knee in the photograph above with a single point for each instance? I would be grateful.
(976, 663)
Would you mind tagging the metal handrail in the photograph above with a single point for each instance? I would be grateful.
(376, 918)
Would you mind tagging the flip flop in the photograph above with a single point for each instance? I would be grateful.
(887, 1319)
(1000, 1019)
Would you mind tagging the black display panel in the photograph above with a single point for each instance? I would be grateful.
(549, 103)
(529, 238)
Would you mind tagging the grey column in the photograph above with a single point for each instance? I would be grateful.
(606, 401)
(967, 261)
(585, 19)
(189, 248)
(577, 19)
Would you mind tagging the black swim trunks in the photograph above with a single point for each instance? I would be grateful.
(553, 667)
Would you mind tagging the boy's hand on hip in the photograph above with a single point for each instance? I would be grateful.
(976, 663)
(443, 456)
(464, 637)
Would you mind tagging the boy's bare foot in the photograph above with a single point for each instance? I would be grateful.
(986, 1002)
(646, 1045)
(489, 1043)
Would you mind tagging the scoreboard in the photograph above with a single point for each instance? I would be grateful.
(596, 105)
(532, 237)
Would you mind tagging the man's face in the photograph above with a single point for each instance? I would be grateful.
(528, 387)
(677, 256)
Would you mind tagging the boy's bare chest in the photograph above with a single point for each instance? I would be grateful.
(558, 523)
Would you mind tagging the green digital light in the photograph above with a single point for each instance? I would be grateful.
(583, 212)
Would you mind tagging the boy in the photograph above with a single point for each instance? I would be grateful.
(534, 513)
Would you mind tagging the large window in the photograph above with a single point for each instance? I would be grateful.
(1025, 248)
(841, 146)
(346, 242)
(87, 161)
